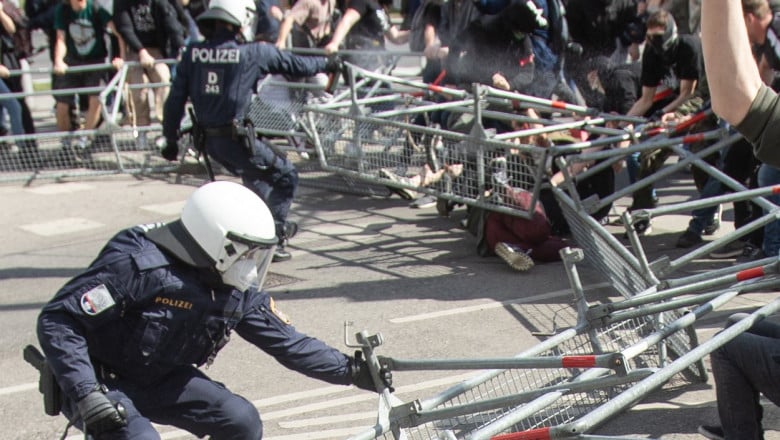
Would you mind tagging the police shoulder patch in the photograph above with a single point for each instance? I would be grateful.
(278, 313)
(96, 300)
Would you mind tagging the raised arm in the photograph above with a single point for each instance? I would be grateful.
(732, 74)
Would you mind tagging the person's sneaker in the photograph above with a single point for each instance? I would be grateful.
(281, 254)
(423, 202)
(688, 239)
(516, 258)
(643, 227)
(711, 432)
(715, 225)
(404, 193)
(750, 253)
(730, 250)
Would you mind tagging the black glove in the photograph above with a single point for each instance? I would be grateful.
(99, 414)
(523, 16)
(171, 150)
(361, 375)
(334, 64)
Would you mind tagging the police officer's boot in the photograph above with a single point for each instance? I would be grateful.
(289, 229)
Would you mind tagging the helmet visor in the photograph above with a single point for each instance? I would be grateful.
(262, 258)
(250, 269)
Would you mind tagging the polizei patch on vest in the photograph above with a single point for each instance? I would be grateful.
(97, 300)
(214, 55)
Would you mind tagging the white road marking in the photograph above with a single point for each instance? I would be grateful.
(173, 208)
(61, 226)
(60, 188)
(305, 423)
(490, 305)
(18, 388)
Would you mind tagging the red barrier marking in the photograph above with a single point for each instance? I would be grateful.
(579, 361)
(558, 104)
(694, 119)
(776, 190)
(748, 274)
(531, 434)
(693, 138)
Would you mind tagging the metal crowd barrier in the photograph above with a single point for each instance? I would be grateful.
(384, 136)
(110, 149)
(570, 383)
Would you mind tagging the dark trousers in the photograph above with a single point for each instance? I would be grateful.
(265, 171)
(186, 399)
(744, 368)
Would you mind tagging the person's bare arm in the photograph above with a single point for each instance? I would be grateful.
(687, 87)
(60, 50)
(6, 21)
(732, 73)
(643, 104)
(348, 20)
(284, 30)
(397, 36)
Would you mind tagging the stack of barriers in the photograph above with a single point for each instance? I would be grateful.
(618, 352)
(566, 386)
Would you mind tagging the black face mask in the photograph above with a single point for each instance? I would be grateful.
(665, 44)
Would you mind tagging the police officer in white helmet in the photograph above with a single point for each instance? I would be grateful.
(124, 339)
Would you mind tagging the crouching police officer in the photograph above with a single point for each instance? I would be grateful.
(125, 337)
(219, 76)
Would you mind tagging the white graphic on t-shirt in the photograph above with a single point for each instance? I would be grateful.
(142, 18)
(82, 32)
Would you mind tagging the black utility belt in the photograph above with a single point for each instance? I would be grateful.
(222, 131)
(235, 131)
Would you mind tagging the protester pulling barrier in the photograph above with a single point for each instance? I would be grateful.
(572, 382)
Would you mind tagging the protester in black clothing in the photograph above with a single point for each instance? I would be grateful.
(617, 86)
(598, 25)
(364, 26)
(151, 31)
(609, 28)
(674, 61)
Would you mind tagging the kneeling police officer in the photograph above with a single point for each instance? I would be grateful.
(124, 339)
(219, 76)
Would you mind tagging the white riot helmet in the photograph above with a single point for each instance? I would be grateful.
(232, 229)
(239, 13)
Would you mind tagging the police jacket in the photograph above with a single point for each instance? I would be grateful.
(219, 75)
(139, 313)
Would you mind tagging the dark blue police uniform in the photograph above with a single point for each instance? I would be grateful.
(139, 321)
(219, 76)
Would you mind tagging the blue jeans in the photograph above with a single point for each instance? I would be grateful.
(744, 368)
(768, 176)
(14, 109)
